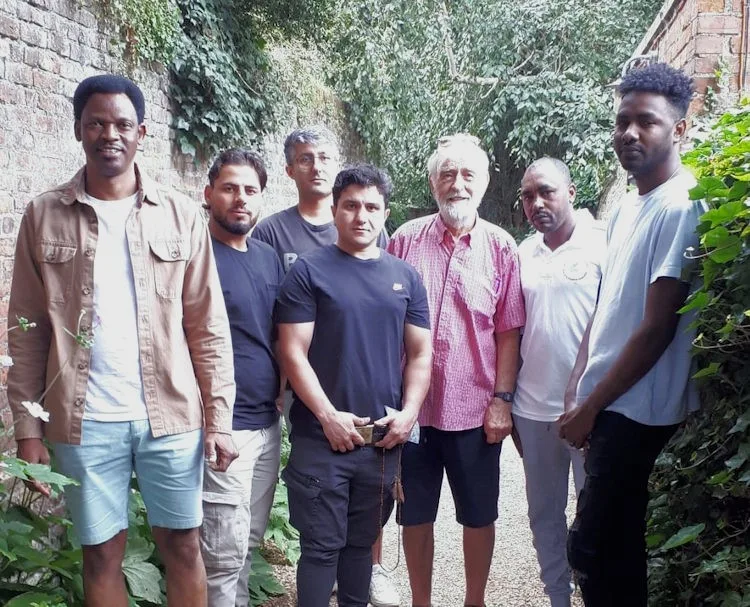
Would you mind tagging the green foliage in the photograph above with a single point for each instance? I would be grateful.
(551, 62)
(699, 517)
(148, 29)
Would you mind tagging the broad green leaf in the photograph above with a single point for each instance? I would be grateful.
(697, 302)
(44, 474)
(709, 184)
(32, 599)
(143, 580)
(684, 536)
(742, 423)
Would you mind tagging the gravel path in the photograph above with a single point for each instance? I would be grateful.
(514, 577)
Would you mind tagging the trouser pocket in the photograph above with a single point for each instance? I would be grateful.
(304, 499)
(225, 533)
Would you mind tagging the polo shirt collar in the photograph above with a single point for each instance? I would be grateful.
(439, 230)
(75, 189)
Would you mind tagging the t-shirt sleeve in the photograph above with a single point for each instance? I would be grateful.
(675, 233)
(262, 233)
(296, 301)
(418, 310)
(510, 312)
(383, 239)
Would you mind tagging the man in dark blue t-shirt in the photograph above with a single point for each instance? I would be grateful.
(237, 503)
(348, 314)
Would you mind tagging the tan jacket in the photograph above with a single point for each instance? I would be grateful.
(183, 331)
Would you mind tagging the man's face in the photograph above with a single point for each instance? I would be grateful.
(314, 168)
(110, 133)
(646, 131)
(235, 199)
(547, 197)
(359, 216)
(458, 184)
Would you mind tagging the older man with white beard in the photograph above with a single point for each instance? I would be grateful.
(471, 272)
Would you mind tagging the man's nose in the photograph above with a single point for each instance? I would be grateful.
(538, 202)
(630, 134)
(109, 131)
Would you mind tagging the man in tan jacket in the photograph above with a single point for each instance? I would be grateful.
(113, 257)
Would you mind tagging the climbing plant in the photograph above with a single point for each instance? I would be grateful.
(699, 517)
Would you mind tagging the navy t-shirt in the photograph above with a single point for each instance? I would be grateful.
(250, 281)
(359, 307)
(292, 237)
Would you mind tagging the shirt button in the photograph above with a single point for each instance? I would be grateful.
(50, 256)
(78, 402)
(175, 253)
(89, 252)
(85, 290)
(82, 365)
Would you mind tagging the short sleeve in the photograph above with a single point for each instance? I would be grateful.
(418, 310)
(383, 239)
(674, 234)
(510, 312)
(262, 233)
(296, 301)
(394, 245)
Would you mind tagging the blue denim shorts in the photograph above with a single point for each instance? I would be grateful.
(169, 470)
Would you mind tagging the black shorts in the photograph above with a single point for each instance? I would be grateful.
(473, 469)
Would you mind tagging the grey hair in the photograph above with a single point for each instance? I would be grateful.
(458, 140)
(316, 134)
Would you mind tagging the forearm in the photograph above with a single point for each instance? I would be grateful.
(579, 366)
(640, 354)
(306, 385)
(507, 345)
(417, 373)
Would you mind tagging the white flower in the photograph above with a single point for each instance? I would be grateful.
(6, 361)
(36, 410)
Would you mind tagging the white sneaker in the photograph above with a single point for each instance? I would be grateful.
(383, 593)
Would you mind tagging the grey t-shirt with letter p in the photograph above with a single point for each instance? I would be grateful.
(291, 236)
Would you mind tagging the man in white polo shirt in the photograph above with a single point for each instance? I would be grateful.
(560, 273)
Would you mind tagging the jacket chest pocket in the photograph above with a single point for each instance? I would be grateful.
(169, 258)
(57, 265)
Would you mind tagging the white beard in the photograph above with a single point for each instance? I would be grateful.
(458, 214)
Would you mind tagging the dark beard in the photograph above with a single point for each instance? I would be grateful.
(235, 227)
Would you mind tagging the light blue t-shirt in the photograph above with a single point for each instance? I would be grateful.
(647, 239)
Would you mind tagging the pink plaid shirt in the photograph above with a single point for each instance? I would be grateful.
(474, 291)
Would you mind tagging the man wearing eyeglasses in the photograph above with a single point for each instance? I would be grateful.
(471, 272)
(312, 161)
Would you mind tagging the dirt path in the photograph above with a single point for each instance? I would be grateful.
(514, 577)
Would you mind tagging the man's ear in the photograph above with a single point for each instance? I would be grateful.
(77, 129)
(141, 133)
(288, 169)
(207, 196)
(679, 129)
(572, 193)
(387, 212)
(333, 209)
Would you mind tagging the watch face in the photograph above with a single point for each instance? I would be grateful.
(506, 396)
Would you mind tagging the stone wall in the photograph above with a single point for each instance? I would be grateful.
(46, 48)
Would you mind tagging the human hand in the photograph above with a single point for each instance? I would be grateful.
(576, 425)
(339, 428)
(279, 402)
(33, 451)
(219, 451)
(498, 422)
(399, 425)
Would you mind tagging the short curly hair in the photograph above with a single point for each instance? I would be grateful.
(109, 84)
(661, 79)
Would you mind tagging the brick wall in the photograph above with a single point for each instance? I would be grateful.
(46, 48)
(693, 35)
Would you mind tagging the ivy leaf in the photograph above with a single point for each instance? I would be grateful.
(43, 473)
(711, 369)
(739, 458)
(33, 599)
(684, 536)
(742, 423)
(697, 302)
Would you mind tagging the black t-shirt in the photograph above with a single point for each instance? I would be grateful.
(291, 236)
(359, 308)
(250, 281)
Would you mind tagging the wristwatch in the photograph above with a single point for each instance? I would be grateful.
(506, 396)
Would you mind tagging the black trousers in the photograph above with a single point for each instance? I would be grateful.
(606, 543)
(338, 502)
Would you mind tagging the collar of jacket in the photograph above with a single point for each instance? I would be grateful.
(75, 189)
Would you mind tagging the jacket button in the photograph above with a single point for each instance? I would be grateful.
(82, 365)
(85, 290)
(89, 252)
(175, 253)
(78, 402)
(50, 256)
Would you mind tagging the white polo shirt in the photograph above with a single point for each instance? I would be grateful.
(647, 239)
(559, 288)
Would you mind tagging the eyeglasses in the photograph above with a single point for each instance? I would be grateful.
(308, 160)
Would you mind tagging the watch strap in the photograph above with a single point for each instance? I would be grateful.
(506, 396)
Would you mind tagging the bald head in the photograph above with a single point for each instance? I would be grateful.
(547, 163)
(547, 194)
